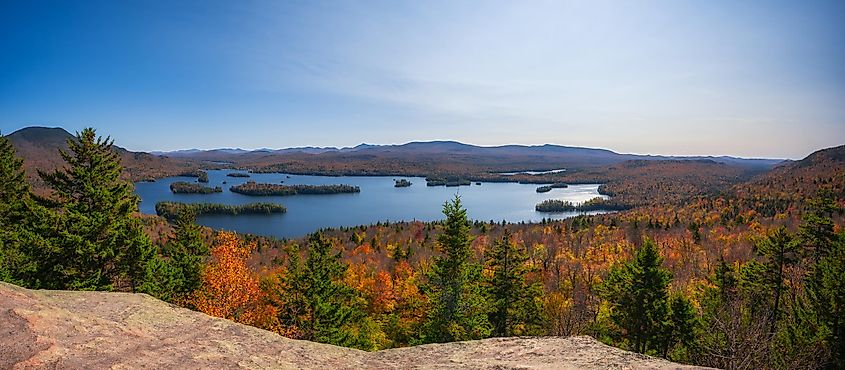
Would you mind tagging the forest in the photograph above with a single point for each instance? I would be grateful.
(748, 276)
(259, 189)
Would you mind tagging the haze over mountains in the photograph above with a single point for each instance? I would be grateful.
(597, 156)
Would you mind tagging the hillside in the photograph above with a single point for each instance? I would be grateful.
(38, 146)
(71, 330)
(784, 188)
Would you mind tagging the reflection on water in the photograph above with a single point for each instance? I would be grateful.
(532, 172)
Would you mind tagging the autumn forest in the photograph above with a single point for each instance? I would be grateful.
(698, 262)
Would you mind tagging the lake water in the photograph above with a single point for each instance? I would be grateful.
(378, 200)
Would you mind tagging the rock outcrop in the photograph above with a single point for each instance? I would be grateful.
(95, 330)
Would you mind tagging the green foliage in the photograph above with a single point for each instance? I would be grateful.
(17, 262)
(458, 304)
(679, 333)
(826, 294)
(816, 231)
(516, 308)
(96, 242)
(779, 250)
(638, 294)
(175, 273)
(314, 303)
(734, 319)
(825, 283)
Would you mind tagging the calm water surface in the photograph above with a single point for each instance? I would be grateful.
(378, 200)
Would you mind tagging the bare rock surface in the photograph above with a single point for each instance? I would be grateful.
(95, 330)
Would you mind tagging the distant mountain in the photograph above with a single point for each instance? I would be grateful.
(39, 148)
(578, 156)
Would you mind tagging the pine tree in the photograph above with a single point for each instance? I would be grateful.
(97, 240)
(816, 231)
(780, 251)
(314, 302)
(176, 272)
(458, 303)
(825, 283)
(826, 295)
(638, 295)
(515, 301)
(187, 250)
(679, 332)
(17, 264)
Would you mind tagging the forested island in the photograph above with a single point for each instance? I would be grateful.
(261, 189)
(595, 204)
(446, 181)
(183, 187)
(237, 174)
(548, 188)
(402, 183)
(171, 210)
(201, 175)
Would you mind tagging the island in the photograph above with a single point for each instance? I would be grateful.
(446, 181)
(260, 189)
(402, 183)
(595, 204)
(548, 188)
(171, 210)
(201, 175)
(237, 174)
(183, 187)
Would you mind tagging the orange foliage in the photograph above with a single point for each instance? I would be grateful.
(230, 289)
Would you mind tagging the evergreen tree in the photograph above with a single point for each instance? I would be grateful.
(97, 241)
(515, 301)
(679, 332)
(458, 303)
(16, 260)
(638, 295)
(314, 302)
(175, 273)
(824, 310)
(187, 250)
(734, 320)
(826, 295)
(780, 251)
(816, 231)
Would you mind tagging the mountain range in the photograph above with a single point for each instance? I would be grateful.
(577, 154)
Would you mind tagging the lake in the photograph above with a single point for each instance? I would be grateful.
(378, 200)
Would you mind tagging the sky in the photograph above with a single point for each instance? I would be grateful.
(744, 78)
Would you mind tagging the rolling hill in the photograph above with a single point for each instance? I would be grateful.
(39, 148)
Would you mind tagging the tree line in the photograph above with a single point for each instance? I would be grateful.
(173, 210)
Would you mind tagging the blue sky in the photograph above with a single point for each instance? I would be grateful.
(749, 78)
